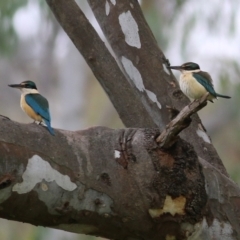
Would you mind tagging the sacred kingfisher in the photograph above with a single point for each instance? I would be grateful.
(195, 83)
(34, 104)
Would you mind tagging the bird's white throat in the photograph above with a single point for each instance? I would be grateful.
(190, 71)
(26, 91)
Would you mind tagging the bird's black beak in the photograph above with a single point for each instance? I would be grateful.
(175, 67)
(15, 85)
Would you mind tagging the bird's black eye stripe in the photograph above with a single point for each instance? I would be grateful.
(29, 85)
(189, 67)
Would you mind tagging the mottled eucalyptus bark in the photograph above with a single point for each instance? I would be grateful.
(101, 62)
(137, 52)
(120, 184)
(100, 181)
(143, 96)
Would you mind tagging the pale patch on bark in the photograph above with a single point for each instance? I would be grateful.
(107, 8)
(117, 154)
(172, 206)
(221, 230)
(130, 29)
(113, 2)
(38, 170)
(136, 77)
(153, 97)
(133, 73)
(202, 231)
(165, 69)
(203, 135)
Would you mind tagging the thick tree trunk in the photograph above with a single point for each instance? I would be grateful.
(110, 182)
(121, 184)
(113, 183)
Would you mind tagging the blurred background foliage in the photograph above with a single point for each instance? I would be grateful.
(33, 46)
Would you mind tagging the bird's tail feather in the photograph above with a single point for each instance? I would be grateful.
(223, 96)
(49, 127)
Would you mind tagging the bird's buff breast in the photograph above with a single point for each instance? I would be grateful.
(191, 87)
(28, 110)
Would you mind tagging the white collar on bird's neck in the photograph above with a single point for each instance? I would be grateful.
(190, 71)
(26, 91)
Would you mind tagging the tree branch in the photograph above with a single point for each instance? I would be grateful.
(113, 183)
(141, 98)
(144, 65)
(169, 135)
(106, 182)
(101, 62)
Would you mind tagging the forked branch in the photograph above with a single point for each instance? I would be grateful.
(169, 135)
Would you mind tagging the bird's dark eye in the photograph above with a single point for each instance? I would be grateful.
(188, 68)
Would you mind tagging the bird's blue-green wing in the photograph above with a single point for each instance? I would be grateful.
(39, 104)
(206, 81)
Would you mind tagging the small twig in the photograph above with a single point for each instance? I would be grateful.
(169, 135)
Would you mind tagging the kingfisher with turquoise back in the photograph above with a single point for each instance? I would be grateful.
(34, 104)
(195, 83)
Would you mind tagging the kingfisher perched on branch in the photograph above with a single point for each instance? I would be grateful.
(33, 103)
(195, 83)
